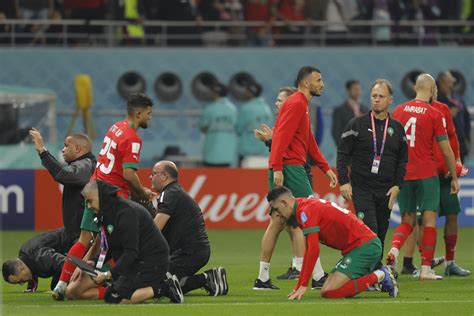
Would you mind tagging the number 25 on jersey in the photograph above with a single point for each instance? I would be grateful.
(107, 150)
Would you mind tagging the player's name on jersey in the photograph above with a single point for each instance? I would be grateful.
(116, 130)
(415, 109)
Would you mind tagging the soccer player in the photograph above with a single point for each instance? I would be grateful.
(292, 142)
(423, 126)
(117, 164)
(326, 222)
(39, 257)
(449, 203)
(181, 221)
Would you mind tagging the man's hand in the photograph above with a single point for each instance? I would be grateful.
(38, 139)
(149, 194)
(265, 133)
(332, 176)
(393, 193)
(278, 178)
(100, 278)
(346, 191)
(454, 186)
(298, 293)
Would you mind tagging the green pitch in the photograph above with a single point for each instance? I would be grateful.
(238, 252)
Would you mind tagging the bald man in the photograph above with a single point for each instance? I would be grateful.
(80, 163)
(181, 221)
(420, 192)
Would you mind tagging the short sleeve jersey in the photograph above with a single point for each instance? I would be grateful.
(451, 130)
(120, 150)
(338, 228)
(423, 125)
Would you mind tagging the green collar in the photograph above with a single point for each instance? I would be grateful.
(295, 207)
(131, 124)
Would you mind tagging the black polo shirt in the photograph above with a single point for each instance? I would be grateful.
(185, 229)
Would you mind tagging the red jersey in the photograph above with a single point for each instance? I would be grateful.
(120, 149)
(423, 125)
(293, 140)
(453, 138)
(331, 224)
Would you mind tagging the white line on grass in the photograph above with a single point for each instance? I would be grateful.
(345, 302)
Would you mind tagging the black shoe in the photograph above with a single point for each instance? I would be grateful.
(222, 278)
(212, 282)
(437, 261)
(291, 274)
(409, 270)
(260, 285)
(176, 293)
(317, 285)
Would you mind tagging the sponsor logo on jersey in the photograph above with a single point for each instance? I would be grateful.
(135, 148)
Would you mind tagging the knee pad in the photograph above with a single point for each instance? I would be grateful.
(111, 296)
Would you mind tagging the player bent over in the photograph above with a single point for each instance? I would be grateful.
(337, 228)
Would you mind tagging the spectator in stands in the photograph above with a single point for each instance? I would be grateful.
(133, 12)
(260, 11)
(85, 10)
(458, 109)
(214, 10)
(34, 10)
(352, 107)
(292, 11)
(7, 11)
(183, 10)
(218, 123)
(252, 115)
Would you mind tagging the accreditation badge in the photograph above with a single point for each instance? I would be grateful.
(376, 164)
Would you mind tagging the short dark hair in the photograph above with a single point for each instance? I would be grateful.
(304, 72)
(276, 192)
(350, 83)
(138, 101)
(10, 267)
(171, 171)
(385, 82)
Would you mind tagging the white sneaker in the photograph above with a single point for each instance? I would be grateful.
(428, 274)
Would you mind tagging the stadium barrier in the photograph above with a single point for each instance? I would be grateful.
(229, 198)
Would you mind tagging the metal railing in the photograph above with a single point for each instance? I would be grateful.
(107, 33)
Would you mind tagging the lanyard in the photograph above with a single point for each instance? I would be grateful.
(374, 134)
(104, 247)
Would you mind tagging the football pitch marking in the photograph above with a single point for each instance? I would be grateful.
(345, 302)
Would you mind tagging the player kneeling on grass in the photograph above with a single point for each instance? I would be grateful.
(139, 250)
(337, 228)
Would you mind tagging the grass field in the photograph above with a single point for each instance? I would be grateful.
(238, 252)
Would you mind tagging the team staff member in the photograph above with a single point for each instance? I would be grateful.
(420, 192)
(117, 164)
(39, 257)
(80, 164)
(337, 228)
(292, 142)
(373, 146)
(182, 224)
(130, 237)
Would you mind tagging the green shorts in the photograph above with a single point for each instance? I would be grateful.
(295, 178)
(419, 195)
(448, 203)
(360, 261)
(87, 222)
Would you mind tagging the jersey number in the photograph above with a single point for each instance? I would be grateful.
(343, 210)
(109, 144)
(411, 125)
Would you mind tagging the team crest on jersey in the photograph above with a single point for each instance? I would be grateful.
(135, 148)
(110, 229)
(390, 131)
(361, 215)
(303, 218)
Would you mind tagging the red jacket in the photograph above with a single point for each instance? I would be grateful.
(292, 138)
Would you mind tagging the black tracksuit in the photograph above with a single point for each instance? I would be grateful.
(74, 176)
(138, 248)
(356, 151)
(44, 254)
(186, 234)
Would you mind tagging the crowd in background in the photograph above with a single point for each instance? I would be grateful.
(340, 13)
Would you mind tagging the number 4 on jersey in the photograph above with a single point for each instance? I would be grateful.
(411, 125)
